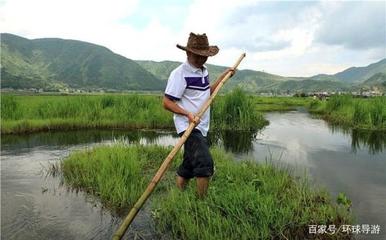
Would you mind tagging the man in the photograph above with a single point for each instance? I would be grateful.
(186, 92)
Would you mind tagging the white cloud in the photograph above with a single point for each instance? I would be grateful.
(93, 21)
(155, 42)
(40, 18)
(249, 26)
(355, 25)
(279, 37)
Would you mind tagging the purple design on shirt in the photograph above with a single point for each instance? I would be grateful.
(196, 83)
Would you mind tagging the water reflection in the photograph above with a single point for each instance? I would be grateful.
(233, 141)
(373, 140)
(67, 138)
(39, 206)
(73, 138)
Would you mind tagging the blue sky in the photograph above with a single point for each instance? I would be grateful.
(289, 38)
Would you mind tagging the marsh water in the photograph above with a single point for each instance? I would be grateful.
(35, 205)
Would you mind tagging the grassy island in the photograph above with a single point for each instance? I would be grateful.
(246, 200)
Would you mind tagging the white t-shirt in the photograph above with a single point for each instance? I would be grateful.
(189, 87)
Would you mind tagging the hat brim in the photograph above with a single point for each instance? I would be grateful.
(210, 52)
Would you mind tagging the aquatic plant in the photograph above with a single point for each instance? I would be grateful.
(378, 112)
(360, 113)
(117, 175)
(236, 111)
(41, 113)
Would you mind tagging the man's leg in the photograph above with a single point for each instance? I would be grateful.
(181, 182)
(202, 186)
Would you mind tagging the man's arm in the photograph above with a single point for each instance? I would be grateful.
(214, 86)
(171, 106)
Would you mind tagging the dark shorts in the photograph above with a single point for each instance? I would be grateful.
(197, 160)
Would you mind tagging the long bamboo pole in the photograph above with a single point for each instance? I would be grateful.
(165, 165)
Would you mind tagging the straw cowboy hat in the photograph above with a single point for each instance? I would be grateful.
(198, 44)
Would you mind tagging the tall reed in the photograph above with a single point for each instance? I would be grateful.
(237, 111)
(378, 112)
(35, 113)
(361, 113)
(10, 108)
(38, 113)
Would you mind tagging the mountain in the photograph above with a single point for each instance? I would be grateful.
(361, 74)
(324, 77)
(161, 70)
(250, 80)
(310, 85)
(55, 64)
(51, 63)
(355, 75)
(378, 80)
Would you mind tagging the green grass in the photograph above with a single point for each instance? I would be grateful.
(237, 111)
(266, 104)
(35, 113)
(246, 200)
(117, 174)
(359, 113)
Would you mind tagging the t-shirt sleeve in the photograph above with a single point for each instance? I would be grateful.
(176, 86)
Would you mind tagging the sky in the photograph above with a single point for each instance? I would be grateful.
(288, 38)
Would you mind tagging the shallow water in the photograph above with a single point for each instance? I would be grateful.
(353, 162)
(36, 206)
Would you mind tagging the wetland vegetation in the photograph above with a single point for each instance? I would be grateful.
(358, 113)
(246, 200)
(23, 114)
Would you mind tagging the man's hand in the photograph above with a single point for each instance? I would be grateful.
(221, 77)
(232, 70)
(192, 118)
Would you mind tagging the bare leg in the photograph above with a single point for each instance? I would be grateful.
(202, 186)
(181, 182)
